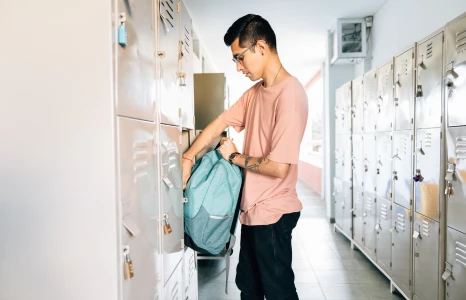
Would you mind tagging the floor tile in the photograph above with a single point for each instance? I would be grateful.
(335, 276)
(310, 291)
(343, 292)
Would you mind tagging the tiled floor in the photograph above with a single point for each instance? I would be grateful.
(325, 267)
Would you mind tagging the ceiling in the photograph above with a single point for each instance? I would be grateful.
(300, 26)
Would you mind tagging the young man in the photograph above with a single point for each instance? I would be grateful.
(273, 114)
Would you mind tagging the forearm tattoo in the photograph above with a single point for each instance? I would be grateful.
(254, 166)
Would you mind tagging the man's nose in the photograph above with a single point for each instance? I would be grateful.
(239, 66)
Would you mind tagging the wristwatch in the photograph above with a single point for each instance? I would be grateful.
(232, 156)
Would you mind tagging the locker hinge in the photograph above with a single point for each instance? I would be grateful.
(390, 264)
(441, 119)
(362, 239)
(412, 55)
(375, 251)
(412, 137)
(178, 6)
(391, 138)
(194, 119)
(443, 38)
(410, 218)
(412, 120)
(182, 244)
(391, 195)
(411, 202)
(179, 113)
(441, 135)
(410, 282)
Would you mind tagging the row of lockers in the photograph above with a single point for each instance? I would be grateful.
(400, 135)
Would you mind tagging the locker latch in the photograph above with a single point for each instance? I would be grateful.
(448, 271)
(451, 172)
(393, 229)
(416, 235)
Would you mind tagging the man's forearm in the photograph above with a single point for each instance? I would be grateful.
(212, 131)
(261, 165)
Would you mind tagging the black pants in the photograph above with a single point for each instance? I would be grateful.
(264, 267)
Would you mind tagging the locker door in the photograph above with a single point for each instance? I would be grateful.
(358, 228)
(370, 164)
(171, 191)
(347, 170)
(173, 289)
(429, 83)
(384, 235)
(138, 176)
(168, 62)
(404, 93)
(384, 165)
(402, 167)
(339, 201)
(347, 209)
(345, 94)
(426, 251)
(136, 62)
(358, 105)
(186, 80)
(339, 156)
(456, 178)
(455, 70)
(455, 265)
(385, 98)
(339, 112)
(369, 216)
(401, 248)
(190, 276)
(358, 160)
(428, 143)
(370, 101)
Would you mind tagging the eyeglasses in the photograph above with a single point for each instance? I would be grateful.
(238, 58)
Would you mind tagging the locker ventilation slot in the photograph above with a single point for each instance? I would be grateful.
(461, 253)
(403, 147)
(425, 228)
(461, 147)
(429, 50)
(187, 40)
(428, 140)
(369, 204)
(167, 8)
(404, 68)
(175, 291)
(384, 212)
(401, 222)
(461, 41)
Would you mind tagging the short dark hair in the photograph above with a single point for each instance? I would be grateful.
(249, 29)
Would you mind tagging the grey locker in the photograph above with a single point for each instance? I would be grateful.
(190, 279)
(358, 105)
(348, 208)
(426, 255)
(140, 213)
(370, 101)
(346, 105)
(358, 160)
(185, 76)
(455, 178)
(455, 59)
(404, 90)
(384, 165)
(401, 248)
(428, 161)
(369, 216)
(171, 197)
(168, 52)
(358, 223)
(384, 235)
(339, 112)
(346, 165)
(339, 155)
(136, 62)
(402, 167)
(339, 201)
(429, 82)
(173, 289)
(384, 98)
(455, 266)
(369, 162)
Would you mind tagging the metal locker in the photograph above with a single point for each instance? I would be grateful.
(136, 62)
(404, 90)
(455, 178)
(358, 105)
(384, 99)
(358, 160)
(401, 247)
(383, 165)
(140, 212)
(339, 155)
(369, 163)
(173, 289)
(347, 170)
(429, 82)
(168, 51)
(185, 76)
(369, 217)
(339, 115)
(348, 208)
(190, 275)
(455, 70)
(358, 228)
(427, 172)
(346, 105)
(426, 236)
(384, 235)
(370, 101)
(339, 201)
(402, 167)
(171, 198)
(455, 266)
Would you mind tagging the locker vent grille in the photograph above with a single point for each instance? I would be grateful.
(425, 228)
(384, 211)
(368, 204)
(404, 68)
(175, 291)
(403, 146)
(461, 147)
(428, 140)
(461, 253)
(167, 16)
(187, 39)
(429, 49)
(401, 224)
(461, 41)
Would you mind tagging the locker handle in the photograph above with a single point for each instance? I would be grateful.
(417, 235)
(364, 214)
(393, 229)
(446, 275)
(167, 181)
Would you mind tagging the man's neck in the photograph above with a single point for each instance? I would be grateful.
(272, 72)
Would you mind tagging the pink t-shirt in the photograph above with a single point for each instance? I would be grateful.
(274, 119)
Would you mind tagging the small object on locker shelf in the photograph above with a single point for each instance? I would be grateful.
(419, 91)
(122, 33)
(418, 177)
(416, 235)
(128, 270)
(167, 229)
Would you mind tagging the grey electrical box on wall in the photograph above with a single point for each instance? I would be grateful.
(348, 41)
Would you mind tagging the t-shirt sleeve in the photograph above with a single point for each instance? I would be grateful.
(290, 124)
(235, 116)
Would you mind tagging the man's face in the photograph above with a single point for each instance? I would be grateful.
(248, 60)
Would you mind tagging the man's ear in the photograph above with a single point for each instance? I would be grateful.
(262, 46)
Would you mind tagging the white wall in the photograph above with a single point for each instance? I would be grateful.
(400, 23)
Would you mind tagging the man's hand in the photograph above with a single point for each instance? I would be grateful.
(227, 147)
(186, 167)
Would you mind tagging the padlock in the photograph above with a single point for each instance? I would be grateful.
(449, 190)
(419, 91)
(418, 177)
(122, 34)
(128, 270)
(167, 229)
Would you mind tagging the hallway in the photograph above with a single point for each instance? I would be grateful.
(325, 266)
